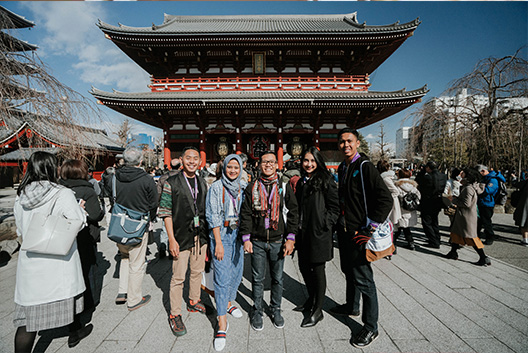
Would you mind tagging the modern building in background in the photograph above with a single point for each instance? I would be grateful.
(253, 83)
(450, 111)
(403, 138)
(142, 139)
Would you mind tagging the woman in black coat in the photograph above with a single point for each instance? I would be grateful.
(318, 201)
(74, 175)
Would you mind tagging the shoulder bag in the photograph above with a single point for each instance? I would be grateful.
(380, 243)
(127, 226)
(51, 234)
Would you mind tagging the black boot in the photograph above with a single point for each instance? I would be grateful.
(313, 319)
(77, 336)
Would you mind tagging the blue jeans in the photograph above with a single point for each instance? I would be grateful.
(272, 253)
(228, 272)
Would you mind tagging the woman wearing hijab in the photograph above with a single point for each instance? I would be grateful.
(222, 213)
(318, 201)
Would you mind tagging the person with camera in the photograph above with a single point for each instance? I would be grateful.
(222, 211)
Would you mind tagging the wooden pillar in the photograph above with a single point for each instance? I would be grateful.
(238, 140)
(317, 137)
(203, 156)
(280, 150)
(166, 148)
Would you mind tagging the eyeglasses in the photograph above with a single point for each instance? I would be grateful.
(268, 162)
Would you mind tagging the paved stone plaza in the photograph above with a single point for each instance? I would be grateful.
(427, 304)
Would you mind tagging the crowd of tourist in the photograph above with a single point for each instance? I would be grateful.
(212, 217)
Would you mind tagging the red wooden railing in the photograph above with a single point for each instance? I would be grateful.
(346, 83)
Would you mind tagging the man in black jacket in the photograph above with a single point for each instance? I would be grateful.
(182, 207)
(267, 235)
(135, 189)
(431, 184)
(358, 271)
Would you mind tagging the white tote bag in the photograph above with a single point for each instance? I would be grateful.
(51, 234)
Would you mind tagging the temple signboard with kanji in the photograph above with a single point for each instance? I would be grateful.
(242, 80)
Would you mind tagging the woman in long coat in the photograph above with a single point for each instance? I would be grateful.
(388, 175)
(408, 218)
(48, 290)
(318, 201)
(464, 226)
(74, 175)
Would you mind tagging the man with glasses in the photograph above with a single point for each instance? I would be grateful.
(267, 236)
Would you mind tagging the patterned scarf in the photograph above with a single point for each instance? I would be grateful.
(263, 202)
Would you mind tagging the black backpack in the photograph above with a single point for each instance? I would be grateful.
(410, 201)
(502, 193)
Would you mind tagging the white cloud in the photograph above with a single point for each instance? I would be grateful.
(70, 30)
(370, 137)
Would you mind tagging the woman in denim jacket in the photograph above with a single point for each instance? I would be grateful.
(224, 199)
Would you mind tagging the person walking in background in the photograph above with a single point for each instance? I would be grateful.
(267, 236)
(408, 218)
(388, 175)
(74, 175)
(222, 211)
(164, 238)
(486, 202)
(182, 208)
(318, 202)
(43, 298)
(452, 188)
(94, 182)
(358, 271)
(431, 184)
(135, 189)
(464, 227)
(520, 216)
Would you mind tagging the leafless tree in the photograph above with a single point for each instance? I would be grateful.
(27, 86)
(124, 134)
(477, 126)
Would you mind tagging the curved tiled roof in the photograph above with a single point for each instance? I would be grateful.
(55, 131)
(248, 96)
(263, 24)
(15, 44)
(15, 21)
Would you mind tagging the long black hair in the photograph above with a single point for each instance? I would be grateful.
(321, 176)
(41, 166)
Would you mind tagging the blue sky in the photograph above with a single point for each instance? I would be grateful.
(451, 39)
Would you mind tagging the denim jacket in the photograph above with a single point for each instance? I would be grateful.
(216, 207)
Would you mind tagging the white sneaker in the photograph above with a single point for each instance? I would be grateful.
(220, 340)
(524, 242)
(235, 312)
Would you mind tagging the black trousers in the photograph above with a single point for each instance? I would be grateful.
(429, 214)
(408, 235)
(484, 221)
(314, 277)
(359, 279)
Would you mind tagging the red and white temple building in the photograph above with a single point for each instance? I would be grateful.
(251, 83)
